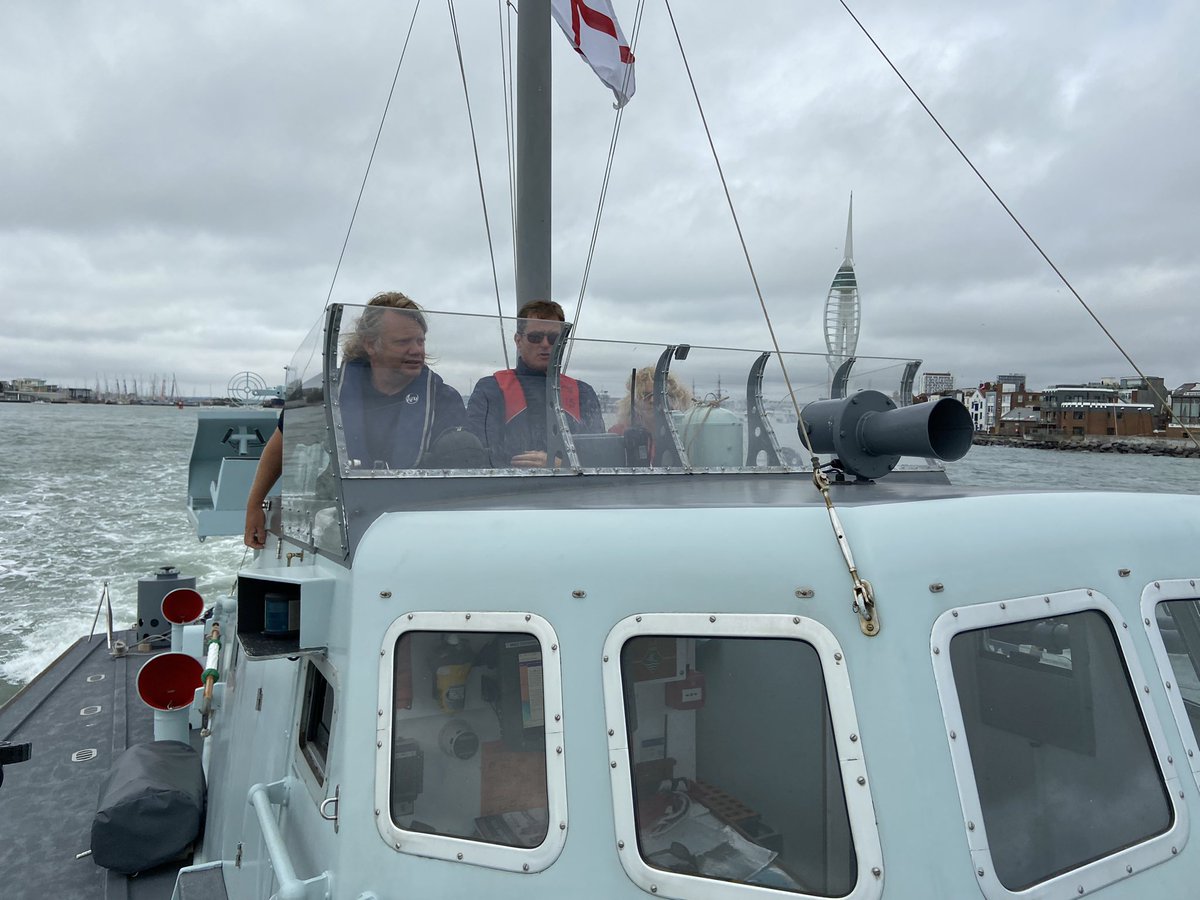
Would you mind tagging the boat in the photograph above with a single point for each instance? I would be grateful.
(457, 679)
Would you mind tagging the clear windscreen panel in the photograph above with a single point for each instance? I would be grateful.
(416, 392)
(308, 488)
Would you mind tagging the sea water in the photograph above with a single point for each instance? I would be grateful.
(92, 494)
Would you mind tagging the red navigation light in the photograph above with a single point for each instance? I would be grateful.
(169, 681)
(182, 606)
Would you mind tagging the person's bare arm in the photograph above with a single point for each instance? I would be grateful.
(270, 467)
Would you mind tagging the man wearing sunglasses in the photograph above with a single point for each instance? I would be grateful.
(507, 410)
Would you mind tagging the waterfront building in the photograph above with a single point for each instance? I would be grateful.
(937, 383)
(1080, 410)
(1185, 404)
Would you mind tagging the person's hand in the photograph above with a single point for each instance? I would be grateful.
(256, 527)
(530, 459)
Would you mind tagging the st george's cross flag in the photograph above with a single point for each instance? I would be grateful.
(591, 27)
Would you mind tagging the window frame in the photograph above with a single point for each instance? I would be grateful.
(1154, 593)
(464, 850)
(318, 785)
(1121, 863)
(848, 740)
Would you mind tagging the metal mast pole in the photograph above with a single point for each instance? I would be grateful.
(533, 151)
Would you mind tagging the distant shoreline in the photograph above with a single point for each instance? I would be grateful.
(1176, 447)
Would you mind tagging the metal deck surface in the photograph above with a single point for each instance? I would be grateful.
(84, 706)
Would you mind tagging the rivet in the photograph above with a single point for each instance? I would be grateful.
(558, 750)
(1168, 685)
(527, 617)
(936, 588)
(876, 871)
(936, 651)
(1124, 573)
(562, 826)
(1171, 760)
(613, 764)
(578, 595)
(468, 616)
(460, 855)
(795, 620)
(558, 717)
(1146, 688)
(1091, 593)
(1192, 582)
(1147, 621)
(654, 888)
(379, 743)
(1156, 584)
(838, 657)
(410, 615)
(1129, 870)
(380, 712)
(525, 867)
(385, 594)
(953, 735)
(954, 612)
(1190, 753)
(1004, 606)
(637, 618)
(712, 618)
(1124, 624)
(854, 738)
(970, 826)
(1080, 889)
(376, 812)
(381, 652)
(606, 658)
(611, 732)
(1174, 851)
(979, 872)
(396, 845)
(554, 646)
(1047, 599)
(620, 845)
(861, 780)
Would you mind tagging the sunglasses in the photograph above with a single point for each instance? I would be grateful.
(536, 337)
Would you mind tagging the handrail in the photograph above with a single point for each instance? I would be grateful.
(262, 797)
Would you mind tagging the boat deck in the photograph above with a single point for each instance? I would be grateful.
(79, 714)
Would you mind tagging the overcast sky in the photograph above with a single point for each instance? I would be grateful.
(176, 180)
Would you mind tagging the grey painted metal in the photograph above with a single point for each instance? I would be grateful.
(264, 798)
(1112, 868)
(906, 382)
(668, 445)
(533, 152)
(837, 388)
(761, 438)
(558, 430)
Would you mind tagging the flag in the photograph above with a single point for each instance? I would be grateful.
(591, 27)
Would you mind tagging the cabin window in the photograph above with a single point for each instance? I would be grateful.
(470, 764)
(1177, 624)
(1059, 749)
(316, 721)
(732, 764)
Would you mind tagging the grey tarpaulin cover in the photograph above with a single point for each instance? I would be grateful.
(151, 806)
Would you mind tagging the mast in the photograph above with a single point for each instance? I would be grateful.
(533, 151)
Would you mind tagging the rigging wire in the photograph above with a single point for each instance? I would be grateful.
(864, 594)
(612, 150)
(374, 147)
(1018, 223)
(479, 173)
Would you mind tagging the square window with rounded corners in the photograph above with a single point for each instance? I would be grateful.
(470, 762)
(1061, 766)
(1171, 615)
(736, 760)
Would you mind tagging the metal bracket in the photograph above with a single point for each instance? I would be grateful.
(335, 800)
(668, 445)
(762, 435)
(841, 378)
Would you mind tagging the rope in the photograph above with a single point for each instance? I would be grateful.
(1019, 224)
(612, 150)
(374, 147)
(864, 594)
(479, 173)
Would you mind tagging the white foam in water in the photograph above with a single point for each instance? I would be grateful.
(88, 494)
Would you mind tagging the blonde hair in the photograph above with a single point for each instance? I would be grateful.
(678, 397)
(369, 323)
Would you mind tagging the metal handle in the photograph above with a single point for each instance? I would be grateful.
(335, 818)
(262, 797)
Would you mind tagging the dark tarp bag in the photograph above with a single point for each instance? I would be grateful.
(151, 807)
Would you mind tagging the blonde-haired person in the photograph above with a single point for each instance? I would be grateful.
(642, 401)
